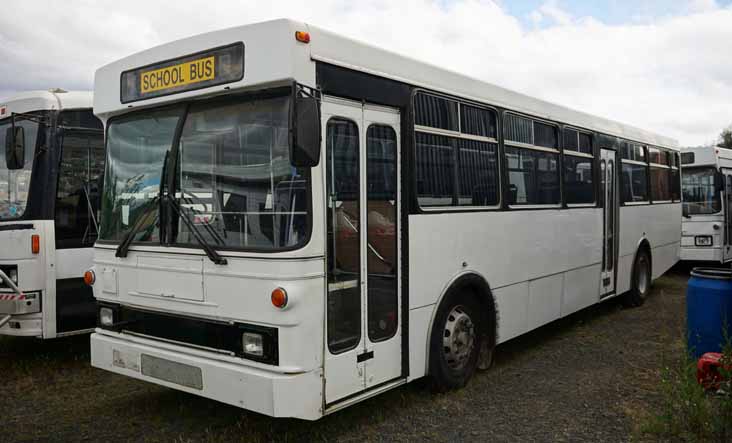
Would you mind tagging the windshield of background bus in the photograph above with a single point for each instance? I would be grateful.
(14, 184)
(234, 178)
(700, 193)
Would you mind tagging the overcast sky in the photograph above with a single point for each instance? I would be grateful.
(663, 65)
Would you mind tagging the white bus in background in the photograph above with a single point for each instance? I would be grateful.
(706, 228)
(294, 221)
(51, 164)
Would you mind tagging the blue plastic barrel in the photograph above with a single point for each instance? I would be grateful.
(708, 310)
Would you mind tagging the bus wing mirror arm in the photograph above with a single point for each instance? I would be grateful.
(305, 146)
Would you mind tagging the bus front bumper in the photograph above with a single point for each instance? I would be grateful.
(20, 314)
(18, 304)
(22, 325)
(701, 254)
(190, 370)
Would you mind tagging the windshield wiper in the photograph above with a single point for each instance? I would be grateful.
(210, 252)
(127, 240)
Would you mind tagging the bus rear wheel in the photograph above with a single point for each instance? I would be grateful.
(456, 342)
(641, 283)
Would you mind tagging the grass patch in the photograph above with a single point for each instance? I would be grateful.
(687, 411)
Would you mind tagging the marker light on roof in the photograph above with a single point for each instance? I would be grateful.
(303, 37)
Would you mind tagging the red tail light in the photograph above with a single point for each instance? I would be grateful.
(35, 243)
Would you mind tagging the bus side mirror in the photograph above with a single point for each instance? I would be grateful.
(719, 182)
(15, 147)
(305, 150)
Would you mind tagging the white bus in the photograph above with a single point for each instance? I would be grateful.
(242, 259)
(51, 164)
(706, 231)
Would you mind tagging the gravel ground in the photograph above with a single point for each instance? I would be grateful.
(590, 377)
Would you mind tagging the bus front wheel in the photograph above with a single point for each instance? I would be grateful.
(641, 283)
(456, 342)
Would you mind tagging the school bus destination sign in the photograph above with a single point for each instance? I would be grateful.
(187, 73)
(195, 71)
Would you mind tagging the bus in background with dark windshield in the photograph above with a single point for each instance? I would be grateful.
(706, 228)
(51, 164)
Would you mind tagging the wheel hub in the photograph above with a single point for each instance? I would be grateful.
(458, 338)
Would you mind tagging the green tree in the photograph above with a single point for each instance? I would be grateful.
(725, 138)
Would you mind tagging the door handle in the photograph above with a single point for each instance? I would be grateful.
(365, 356)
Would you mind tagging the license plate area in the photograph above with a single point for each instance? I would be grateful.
(171, 371)
(14, 304)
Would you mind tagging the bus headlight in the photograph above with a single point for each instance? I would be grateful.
(703, 240)
(253, 344)
(106, 316)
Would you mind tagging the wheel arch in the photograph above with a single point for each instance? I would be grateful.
(643, 244)
(480, 287)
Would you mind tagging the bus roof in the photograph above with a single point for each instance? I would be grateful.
(52, 99)
(708, 156)
(328, 47)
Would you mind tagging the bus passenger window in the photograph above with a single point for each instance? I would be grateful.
(634, 184)
(435, 169)
(478, 173)
(578, 175)
(534, 175)
(660, 184)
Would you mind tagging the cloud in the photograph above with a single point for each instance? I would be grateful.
(703, 5)
(553, 12)
(671, 75)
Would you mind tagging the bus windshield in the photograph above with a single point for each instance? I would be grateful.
(231, 173)
(15, 184)
(700, 193)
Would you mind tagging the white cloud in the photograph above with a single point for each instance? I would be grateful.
(703, 5)
(551, 10)
(671, 75)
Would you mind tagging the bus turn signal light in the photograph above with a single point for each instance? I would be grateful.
(302, 37)
(279, 298)
(89, 277)
(35, 243)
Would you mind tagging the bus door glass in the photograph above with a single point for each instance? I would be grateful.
(727, 250)
(608, 187)
(363, 343)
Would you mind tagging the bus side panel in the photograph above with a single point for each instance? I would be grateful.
(513, 250)
(75, 306)
(581, 288)
(511, 303)
(664, 257)
(660, 224)
(419, 327)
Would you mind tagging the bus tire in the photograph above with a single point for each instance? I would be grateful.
(641, 280)
(456, 341)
